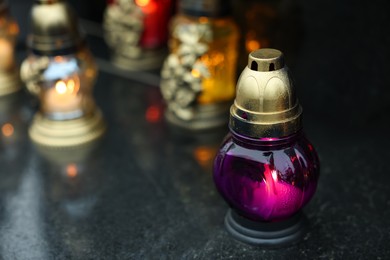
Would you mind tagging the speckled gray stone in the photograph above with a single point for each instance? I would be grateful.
(144, 192)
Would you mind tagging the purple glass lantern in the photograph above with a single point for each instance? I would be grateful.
(266, 169)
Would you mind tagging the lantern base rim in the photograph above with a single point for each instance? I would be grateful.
(148, 60)
(9, 82)
(266, 234)
(66, 133)
(205, 117)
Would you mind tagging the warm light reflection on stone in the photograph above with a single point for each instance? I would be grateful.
(153, 114)
(204, 155)
(71, 170)
(7, 130)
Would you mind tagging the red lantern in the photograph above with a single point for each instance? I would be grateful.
(137, 31)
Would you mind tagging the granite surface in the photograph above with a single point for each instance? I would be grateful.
(145, 191)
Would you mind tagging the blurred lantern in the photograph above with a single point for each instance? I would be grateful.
(198, 77)
(136, 31)
(9, 74)
(61, 71)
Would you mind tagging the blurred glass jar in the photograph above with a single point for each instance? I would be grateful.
(9, 74)
(63, 83)
(198, 77)
(136, 31)
(61, 71)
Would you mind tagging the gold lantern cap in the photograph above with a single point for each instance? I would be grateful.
(54, 28)
(265, 104)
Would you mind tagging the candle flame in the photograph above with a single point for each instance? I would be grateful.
(69, 86)
(61, 87)
(271, 180)
(203, 19)
(195, 73)
(147, 6)
(274, 175)
(142, 3)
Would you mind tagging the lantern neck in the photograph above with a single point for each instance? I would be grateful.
(270, 142)
(47, 1)
(54, 28)
(71, 50)
(266, 104)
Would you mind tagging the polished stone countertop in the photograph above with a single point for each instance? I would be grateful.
(145, 190)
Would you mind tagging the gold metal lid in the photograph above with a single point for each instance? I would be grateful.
(265, 104)
(54, 28)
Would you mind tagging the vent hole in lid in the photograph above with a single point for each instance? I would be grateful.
(271, 67)
(254, 65)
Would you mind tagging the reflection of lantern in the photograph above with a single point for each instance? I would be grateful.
(74, 182)
(13, 120)
(71, 185)
(266, 170)
(61, 71)
(9, 75)
(198, 77)
(136, 31)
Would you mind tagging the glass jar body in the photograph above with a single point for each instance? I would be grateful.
(63, 83)
(207, 48)
(268, 179)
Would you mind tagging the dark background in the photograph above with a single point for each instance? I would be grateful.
(145, 191)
